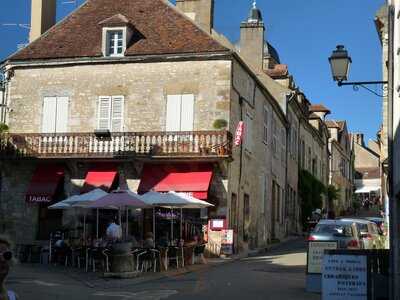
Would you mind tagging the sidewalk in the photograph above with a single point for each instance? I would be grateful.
(48, 273)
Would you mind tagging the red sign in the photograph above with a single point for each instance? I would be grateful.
(239, 133)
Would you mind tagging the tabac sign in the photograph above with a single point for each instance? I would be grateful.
(38, 199)
(239, 133)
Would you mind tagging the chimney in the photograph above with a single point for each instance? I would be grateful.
(252, 38)
(200, 11)
(359, 138)
(43, 17)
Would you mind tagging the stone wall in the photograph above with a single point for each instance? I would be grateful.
(145, 87)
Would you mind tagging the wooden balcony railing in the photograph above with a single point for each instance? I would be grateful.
(126, 144)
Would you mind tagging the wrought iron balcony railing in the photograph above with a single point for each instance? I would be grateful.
(117, 145)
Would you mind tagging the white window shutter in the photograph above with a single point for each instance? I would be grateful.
(49, 115)
(104, 113)
(62, 114)
(117, 119)
(187, 112)
(173, 118)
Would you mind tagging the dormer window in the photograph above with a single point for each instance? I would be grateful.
(117, 33)
(115, 43)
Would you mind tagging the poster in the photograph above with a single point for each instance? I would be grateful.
(316, 253)
(227, 242)
(344, 277)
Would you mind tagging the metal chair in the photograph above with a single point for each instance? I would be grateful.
(148, 258)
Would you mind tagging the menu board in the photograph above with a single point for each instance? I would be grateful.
(227, 242)
(315, 255)
(344, 277)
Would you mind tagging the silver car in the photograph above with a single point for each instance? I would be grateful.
(343, 231)
(369, 233)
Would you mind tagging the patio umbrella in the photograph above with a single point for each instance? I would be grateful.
(60, 205)
(83, 200)
(173, 200)
(121, 199)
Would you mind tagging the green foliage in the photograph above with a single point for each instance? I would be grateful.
(220, 124)
(332, 193)
(3, 128)
(310, 193)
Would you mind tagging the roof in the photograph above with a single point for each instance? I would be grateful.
(331, 124)
(159, 29)
(341, 124)
(319, 108)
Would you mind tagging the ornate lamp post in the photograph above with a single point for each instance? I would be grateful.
(340, 63)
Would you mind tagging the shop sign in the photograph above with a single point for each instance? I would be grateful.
(227, 242)
(315, 255)
(344, 277)
(239, 133)
(38, 199)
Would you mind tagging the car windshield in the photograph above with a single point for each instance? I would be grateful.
(333, 229)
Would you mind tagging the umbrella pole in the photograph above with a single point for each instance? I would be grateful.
(126, 229)
(172, 225)
(97, 223)
(84, 227)
(154, 226)
(180, 229)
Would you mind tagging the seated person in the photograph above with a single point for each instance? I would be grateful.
(148, 240)
(163, 240)
(114, 231)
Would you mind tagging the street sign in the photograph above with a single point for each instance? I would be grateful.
(315, 254)
(344, 276)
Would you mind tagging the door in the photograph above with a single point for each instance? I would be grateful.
(273, 210)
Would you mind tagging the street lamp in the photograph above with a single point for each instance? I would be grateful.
(340, 63)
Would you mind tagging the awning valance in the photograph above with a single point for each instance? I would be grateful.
(367, 189)
(101, 176)
(194, 179)
(44, 183)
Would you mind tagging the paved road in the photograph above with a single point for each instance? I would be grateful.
(278, 275)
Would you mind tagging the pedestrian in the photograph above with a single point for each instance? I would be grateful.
(5, 264)
(114, 231)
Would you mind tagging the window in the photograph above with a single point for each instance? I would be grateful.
(246, 213)
(309, 159)
(180, 113)
(283, 146)
(248, 136)
(275, 137)
(115, 43)
(111, 113)
(233, 218)
(265, 135)
(55, 114)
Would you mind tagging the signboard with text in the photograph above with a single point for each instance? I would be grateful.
(315, 254)
(227, 242)
(344, 276)
(239, 133)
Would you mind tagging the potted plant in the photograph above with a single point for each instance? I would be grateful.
(220, 124)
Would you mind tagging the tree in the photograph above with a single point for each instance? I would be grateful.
(332, 193)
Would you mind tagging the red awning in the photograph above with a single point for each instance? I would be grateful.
(44, 183)
(101, 176)
(189, 178)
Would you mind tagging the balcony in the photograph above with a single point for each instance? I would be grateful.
(126, 145)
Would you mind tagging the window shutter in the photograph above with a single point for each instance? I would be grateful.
(49, 115)
(173, 118)
(265, 135)
(104, 113)
(187, 112)
(62, 114)
(249, 132)
(117, 119)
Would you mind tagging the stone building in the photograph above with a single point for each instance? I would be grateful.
(367, 171)
(341, 166)
(133, 101)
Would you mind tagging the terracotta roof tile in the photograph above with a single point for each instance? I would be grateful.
(319, 108)
(161, 29)
(331, 124)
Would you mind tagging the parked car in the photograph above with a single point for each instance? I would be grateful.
(344, 232)
(380, 222)
(369, 233)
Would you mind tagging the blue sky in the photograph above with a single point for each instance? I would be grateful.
(303, 31)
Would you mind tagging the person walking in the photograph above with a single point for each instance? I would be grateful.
(5, 264)
(113, 232)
